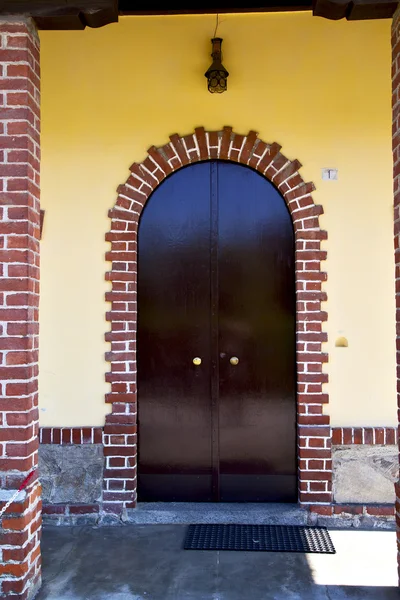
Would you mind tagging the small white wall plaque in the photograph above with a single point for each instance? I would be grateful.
(329, 174)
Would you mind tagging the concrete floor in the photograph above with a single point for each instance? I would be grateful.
(146, 562)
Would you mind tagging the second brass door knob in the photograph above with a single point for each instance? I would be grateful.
(234, 360)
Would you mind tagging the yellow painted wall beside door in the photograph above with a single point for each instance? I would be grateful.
(319, 88)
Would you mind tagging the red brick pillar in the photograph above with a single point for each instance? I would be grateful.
(396, 189)
(19, 296)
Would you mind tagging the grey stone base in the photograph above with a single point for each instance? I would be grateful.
(183, 513)
(365, 474)
(348, 520)
(98, 520)
(353, 522)
(67, 519)
(71, 474)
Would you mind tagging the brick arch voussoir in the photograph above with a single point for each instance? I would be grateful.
(160, 162)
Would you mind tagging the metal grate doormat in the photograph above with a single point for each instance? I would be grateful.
(263, 538)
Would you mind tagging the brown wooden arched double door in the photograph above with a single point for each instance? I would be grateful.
(216, 283)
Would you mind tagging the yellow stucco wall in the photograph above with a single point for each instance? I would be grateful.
(319, 88)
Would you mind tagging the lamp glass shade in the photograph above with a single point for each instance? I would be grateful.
(217, 75)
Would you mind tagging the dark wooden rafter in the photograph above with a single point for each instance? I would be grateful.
(63, 14)
(78, 14)
(354, 10)
(329, 9)
(134, 7)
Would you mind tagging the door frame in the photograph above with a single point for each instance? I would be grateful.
(313, 426)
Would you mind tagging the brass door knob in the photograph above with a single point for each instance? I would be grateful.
(234, 360)
(197, 361)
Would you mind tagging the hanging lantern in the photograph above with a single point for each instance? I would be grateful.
(217, 75)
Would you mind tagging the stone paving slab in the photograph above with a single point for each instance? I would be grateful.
(147, 562)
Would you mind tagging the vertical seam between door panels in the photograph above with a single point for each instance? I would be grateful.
(214, 330)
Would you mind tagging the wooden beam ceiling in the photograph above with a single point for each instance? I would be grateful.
(354, 10)
(78, 14)
(63, 14)
(134, 7)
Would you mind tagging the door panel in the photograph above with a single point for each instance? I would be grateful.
(257, 408)
(216, 280)
(174, 327)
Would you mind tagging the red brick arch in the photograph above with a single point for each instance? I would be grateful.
(314, 434)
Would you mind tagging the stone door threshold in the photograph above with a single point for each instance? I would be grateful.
(183, 513)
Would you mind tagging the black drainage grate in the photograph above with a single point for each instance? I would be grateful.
(264, 538)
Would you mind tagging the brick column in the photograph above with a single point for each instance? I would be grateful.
(19, 297)
(396, 189)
